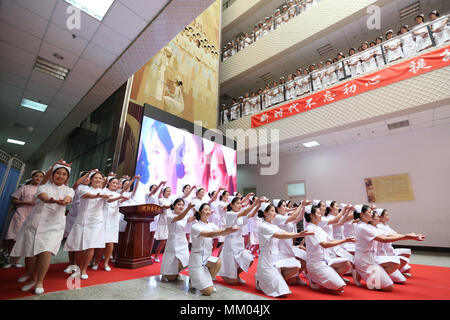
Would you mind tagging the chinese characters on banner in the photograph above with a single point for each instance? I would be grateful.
(407, 69)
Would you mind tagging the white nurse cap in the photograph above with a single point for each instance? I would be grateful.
(264, 205)
(379, 211)
(315, 202)
(308, 209)
(276, 202)
(358, 208)
(328, 203)
(56, 167)
(342, 205)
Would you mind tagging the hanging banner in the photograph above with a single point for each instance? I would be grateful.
(405, 70)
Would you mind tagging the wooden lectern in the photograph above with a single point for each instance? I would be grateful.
(135, 244)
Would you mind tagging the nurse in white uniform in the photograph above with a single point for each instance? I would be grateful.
(288, 223)
(274, 273)
(403, 253)
(112, 218)
(323, 270)
(234, 256)
(439, 28)
(330, 217)
(176, 253)
(222, 210)
(408, 43)
(420, 31)
(368, 58)
(162, 231)
(382, 256)
(79, 186)
(153, 198)
(88, 231)
(393, 47)
(365, 258)
(42, 232)
(126, 192)
(203, 267)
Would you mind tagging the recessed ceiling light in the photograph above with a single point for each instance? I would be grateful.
(15, 141)
(311, 144)
(96, 9)
(58, 56)
(50, 68)
(33, 105)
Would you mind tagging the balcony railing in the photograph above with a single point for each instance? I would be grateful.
(269, 25)
(406, 45)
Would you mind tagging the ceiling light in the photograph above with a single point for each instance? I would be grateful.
(397, 125)
(33, 105)
(15, 141)
(311, 144)
(50, 68)
(96, 9)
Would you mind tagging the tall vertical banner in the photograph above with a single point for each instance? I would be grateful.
(404, 70)
(182, 78)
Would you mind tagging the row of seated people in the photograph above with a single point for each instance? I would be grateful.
(281, 16)
(367, 58)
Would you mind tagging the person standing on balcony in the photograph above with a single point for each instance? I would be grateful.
(306, 82)
(393, 47)
(298, 83)
(317, 84)
(278, 19)
(225, 113)
(368, 58)
(291, 9)
(267, 96)
(420, 31)
(330, 77)
(439, 28)
(290, 88)
(354, 62)
(234, 111)
(285, 15)
(408, 43)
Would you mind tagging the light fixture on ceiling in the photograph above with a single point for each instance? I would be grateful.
(96, 9)
(411, 10)
(33, 105)
(15, 141)
(50, 68)
(398, 125)
(311, 144)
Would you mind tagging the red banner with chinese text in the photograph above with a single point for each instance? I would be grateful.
(407, 69)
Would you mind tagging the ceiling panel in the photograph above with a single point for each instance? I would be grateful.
(110, 40)
(13, 80)
(16, 54)
(44, 8)
(22, 18)
(61, 38)
(124, 21)
(8, 89)
(79, 80)
(144, 8)
(45, 79)
(88, 25)
(67, 98)
(19, 38)
(48, 50)
(88, 69)
(98, 56)
(44, 90)
(14, 68)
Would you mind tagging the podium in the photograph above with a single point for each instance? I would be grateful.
(135, 244)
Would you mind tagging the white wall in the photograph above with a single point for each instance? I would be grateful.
(338, 174)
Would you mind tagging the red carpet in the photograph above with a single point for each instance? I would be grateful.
(427, 283)
(56, 279)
